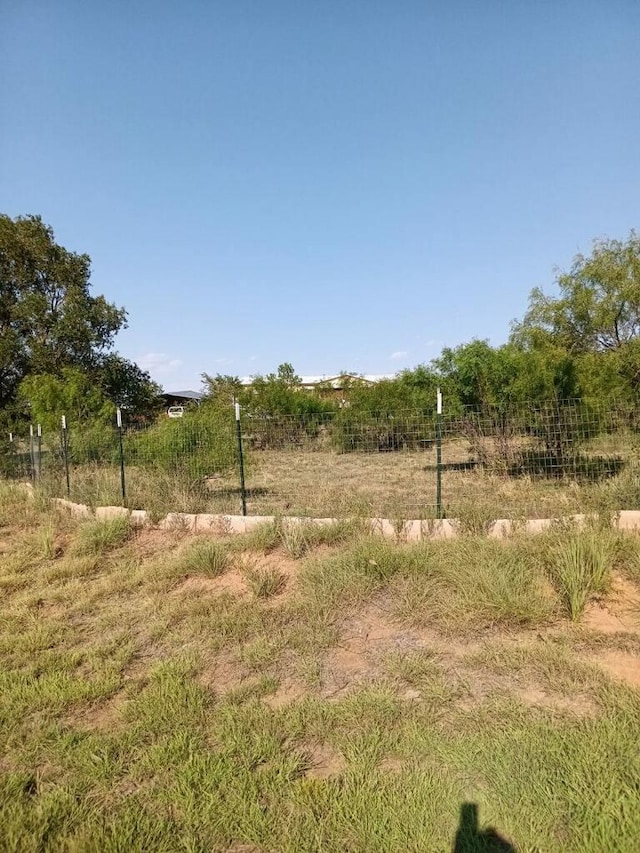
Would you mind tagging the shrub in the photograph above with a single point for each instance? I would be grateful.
(93, 442)
(200, 444)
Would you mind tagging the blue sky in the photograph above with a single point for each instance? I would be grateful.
(347, 184)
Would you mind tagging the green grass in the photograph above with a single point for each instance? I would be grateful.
(298, 538)
(136, 715)
(463, 585)
(580, 567)
(203, 557)
(98, 537)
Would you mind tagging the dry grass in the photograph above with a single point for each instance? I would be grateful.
(203, 557)
(398, 485)
(161, 692)
(403, 485)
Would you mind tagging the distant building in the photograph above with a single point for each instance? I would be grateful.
(181, 398)
(177, 401)
(326, 383)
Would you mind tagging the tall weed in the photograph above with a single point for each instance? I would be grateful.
(99, 537)
(581, 567)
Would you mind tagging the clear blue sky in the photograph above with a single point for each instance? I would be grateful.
(346, 184)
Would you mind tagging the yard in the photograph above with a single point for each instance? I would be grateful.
(297, 480)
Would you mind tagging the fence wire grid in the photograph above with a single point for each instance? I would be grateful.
(537, 461)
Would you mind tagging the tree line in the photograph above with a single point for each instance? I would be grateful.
(582, 343)
(57, 348)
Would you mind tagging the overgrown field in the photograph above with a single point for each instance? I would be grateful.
(315, 689)
(401, 484)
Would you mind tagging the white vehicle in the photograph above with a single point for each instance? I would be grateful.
(175, 411)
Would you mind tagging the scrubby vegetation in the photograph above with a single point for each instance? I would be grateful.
(546, 423)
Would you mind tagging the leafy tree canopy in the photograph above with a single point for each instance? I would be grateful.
(49, 321)
(285, 376)
(282, 393)
(221, 389)
(73, 394)
(127, 385)
(598, 309)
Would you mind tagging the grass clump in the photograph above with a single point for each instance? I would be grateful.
(265, 583)
(355, 573)
(297, 537)
(474, 583)
(204, 557)
(419, 670)
(474, 518)
(48, 547)
(294, 539)
(99, 537)
(259, 654)
(462, 584)
(580, 567)
(263, 538)
(300, 537)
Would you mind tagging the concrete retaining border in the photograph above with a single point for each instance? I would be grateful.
(409, 530)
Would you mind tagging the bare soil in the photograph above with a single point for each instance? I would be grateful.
(367, 635)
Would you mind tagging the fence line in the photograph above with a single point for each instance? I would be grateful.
(548, 459)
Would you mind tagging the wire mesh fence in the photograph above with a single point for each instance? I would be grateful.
(545, 460)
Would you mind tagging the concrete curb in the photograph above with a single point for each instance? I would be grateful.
(404, 530)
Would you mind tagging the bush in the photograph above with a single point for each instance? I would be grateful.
(196, 446)
(539, 440)
(278, 416)
(97, 442)
(394, 414)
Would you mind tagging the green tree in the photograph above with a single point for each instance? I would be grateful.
(281, 393)
(281, 411)
(127, 385)
(598, 308)
(48, 318)
(285, 375)
(72, 394)
(391, 414)
(223, 389)
(477, 375)
(595, 319)
(194, 447)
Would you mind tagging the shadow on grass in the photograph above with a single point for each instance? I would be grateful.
(470, 465)
(235, 491)
(471, 839)
(543, 464)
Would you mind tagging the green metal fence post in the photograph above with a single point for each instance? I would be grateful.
(65, 452)
(122, 481)
(39, 451)
(439, 512)
(32, 454)
(243, 492)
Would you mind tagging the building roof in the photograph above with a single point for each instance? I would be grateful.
(183, 395)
